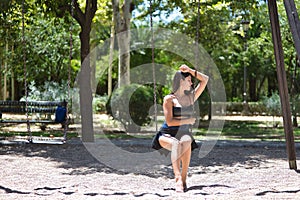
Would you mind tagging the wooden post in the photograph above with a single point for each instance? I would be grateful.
(291, 12)
(282, 83)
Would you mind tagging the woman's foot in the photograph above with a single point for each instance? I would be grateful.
(179, 185)
(185, 189)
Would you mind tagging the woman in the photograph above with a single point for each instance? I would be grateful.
(175, 133)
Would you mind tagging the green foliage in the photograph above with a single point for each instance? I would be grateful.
(257, 108)
(99, 103)
(295, 104)
(130, 105)
(270, 106)
(204, 105)
(45, 48)
(273, 104)
(220, 32)
(50, 91)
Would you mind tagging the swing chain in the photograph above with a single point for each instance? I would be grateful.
(69, 71)
(197, 34)
(25, 70)
(153, 66)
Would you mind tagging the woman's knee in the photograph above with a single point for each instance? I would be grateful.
(167, 142)
(186, 139)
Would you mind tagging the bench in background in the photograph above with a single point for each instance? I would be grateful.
(44, 110)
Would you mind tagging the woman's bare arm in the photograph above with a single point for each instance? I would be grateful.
(198, 75)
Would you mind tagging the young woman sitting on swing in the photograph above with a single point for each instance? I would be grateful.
(175, 134)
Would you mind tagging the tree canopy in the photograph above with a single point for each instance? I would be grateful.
(219, 26)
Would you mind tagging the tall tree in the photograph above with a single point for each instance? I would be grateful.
(86, 110)
(122, 27)
(84, 18)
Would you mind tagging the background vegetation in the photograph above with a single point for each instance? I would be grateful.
(46, 48)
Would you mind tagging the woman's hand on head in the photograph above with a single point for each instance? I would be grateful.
(184, 68)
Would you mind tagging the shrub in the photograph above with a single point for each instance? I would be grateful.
(50, 91)
(99, 103)
(273, 104)
(130, 105)
(257, 108)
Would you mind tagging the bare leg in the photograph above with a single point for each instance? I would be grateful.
(173, 144)
(185, 157)
(175, 157)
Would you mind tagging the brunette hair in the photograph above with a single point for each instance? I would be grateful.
(176, 80)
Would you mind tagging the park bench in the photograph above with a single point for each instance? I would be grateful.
(39, 112)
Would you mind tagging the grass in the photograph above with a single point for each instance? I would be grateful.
(252, 130)
(4, 134)
(264, 131)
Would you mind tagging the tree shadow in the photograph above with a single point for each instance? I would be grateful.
(43, 192)
(76, 157)
(11, 191)
(200, 187)
(277, 192)
(125, 193)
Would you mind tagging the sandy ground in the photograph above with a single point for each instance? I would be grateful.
(232, 170)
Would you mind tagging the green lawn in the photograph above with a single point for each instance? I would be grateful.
(264, 131)
(251, 130)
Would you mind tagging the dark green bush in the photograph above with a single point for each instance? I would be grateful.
(99, 103)
(272, 104)
(257, 108)
(130, 105)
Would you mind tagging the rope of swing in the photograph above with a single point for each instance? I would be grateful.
(71, 48)
(196, 47)
(69, 70)
(153, 66)
(25, 71)
(197, 34)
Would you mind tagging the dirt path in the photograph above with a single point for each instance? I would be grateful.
(237, 170)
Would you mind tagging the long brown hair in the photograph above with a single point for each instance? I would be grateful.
(176, 80)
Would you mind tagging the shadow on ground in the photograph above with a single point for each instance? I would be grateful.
(76, 157)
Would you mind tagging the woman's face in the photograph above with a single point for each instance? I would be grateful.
(186, 83)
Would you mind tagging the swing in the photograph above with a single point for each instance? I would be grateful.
(155, 144)
(152, 50)
(57, 108)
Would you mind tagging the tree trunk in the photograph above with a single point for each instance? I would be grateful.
(272, 84)
(5, 75)
(122, 27)
(124, 58)
(93, 63)
(1, 78)
(252, 88)
(86, 98)
(111, 52)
